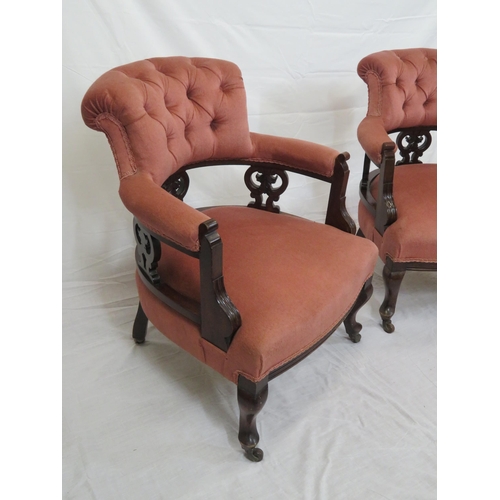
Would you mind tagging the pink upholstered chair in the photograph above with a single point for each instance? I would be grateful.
(283, 284)
(398, 199)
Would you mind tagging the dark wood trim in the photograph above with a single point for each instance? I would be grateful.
(386, 213)
(147, 256)
(217, 316)
(364, 184)
(177, 184)
(264, 185)
(220, 319)
(185, 306)
(147, 253)
(412, 143)
(351, 325)
(140, 326)
(251, 399)
(393, 276)
(336, 212)
(262, 164)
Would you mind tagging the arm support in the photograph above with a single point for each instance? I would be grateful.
(161, 212)
(217, 316)
(386, 213)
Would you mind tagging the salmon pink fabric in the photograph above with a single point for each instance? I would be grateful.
(413, 237)
(293, 281)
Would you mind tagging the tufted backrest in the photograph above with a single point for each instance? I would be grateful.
(402, 87)
(163, 113)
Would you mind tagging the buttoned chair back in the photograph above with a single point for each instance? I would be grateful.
(398, 206)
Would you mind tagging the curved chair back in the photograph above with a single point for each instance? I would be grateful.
(402, 87)
(161, 114)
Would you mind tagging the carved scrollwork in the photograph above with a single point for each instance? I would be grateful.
(147, 253)
(260, 181)
(177, 184)
(412, 144)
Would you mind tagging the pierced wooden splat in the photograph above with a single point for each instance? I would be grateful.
(148, 253)
(177, 184)
(412, 144)
(264, 184)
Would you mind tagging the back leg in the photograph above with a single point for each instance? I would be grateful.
(140, 326)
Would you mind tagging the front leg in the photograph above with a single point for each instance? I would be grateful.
(351, 325)
(393, 274)
(251, 399)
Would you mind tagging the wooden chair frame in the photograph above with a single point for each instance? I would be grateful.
(218, 317)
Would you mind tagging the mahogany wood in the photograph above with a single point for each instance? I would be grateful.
(393, 275)
(251, 399)
(386, 213)
(264, 185)
(177, 184)
(351, 325)
(219, 317)
(336, 212)
(140, 326)
(412, 144)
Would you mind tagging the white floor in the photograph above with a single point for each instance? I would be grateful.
(352, 421)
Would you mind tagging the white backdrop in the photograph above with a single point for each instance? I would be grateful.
(351, 422)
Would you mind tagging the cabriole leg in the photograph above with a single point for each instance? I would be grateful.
(351, 325)
(393, 276)
(251, 399)
(140, 326)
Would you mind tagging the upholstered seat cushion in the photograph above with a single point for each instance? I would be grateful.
(413, 237)
(292, 280)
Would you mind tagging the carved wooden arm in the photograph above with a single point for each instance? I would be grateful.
(215, 313)
(411, 144)
(386, 213)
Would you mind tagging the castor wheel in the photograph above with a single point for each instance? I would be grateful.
(388, 326)
(253, 454)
